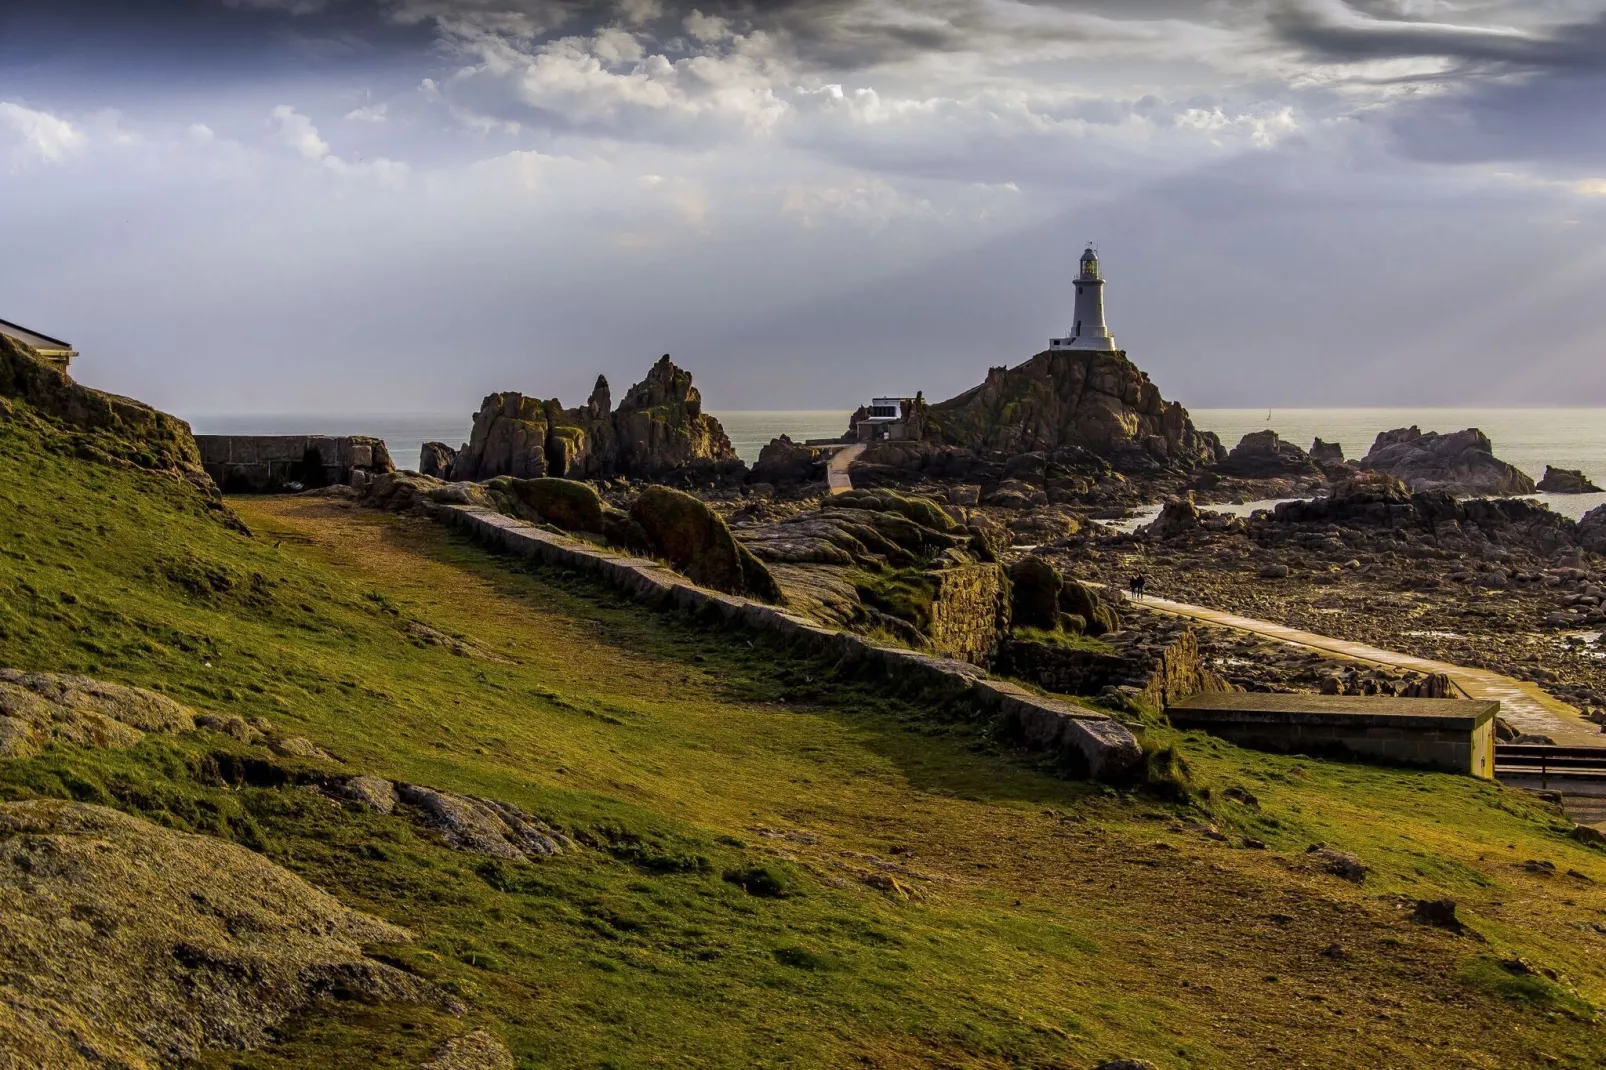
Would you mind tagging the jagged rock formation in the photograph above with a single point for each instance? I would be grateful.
(1099, 402)
(1043, 599)
(1264, 455)
(658, 430)
(436, 459)
(1462, 463)
(1566, 481)
(1592, 530)
(111, 926)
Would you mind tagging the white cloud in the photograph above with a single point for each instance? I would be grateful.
(44, 136)
(297, 131)
(368, 113)
(200, 133)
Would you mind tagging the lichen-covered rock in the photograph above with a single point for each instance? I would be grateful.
(573, 506)
(1566, 481)
(130, 944)
(1100, 402)
(374, 794)
(39, 708)
(695, 540)
(1078, 600)
(484, 826)
(436, 459)
(1462, 463)
(478, 1050)
(1177, 517)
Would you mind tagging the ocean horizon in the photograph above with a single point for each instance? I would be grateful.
(1529, 438)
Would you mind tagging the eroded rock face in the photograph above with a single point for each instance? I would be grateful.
(1592, 530)
(111, 925)
(1566, 481)
(659, 428)
(1462, 463)
(1100, 402)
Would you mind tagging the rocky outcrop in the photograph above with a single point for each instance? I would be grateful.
(575, 507)
(1264, 455)
(695, 541)
(436, 459)
(1044, 600)
(785, 463)
(1100, 402)
(659, 430)
(1566, 481)
(1325, 453)
(1592, 530)
(41, 708)
(1462, 463)
(106, 427)
(113, 926)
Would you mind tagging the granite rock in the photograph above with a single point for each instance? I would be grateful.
(1462, 463)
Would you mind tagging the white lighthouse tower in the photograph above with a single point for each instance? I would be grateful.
(1089, 331)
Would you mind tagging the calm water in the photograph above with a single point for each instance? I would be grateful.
(1528, 438)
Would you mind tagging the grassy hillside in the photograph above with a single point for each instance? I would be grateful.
(780, 868)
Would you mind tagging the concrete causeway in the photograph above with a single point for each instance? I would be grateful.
(836, 472)
(1523, 705)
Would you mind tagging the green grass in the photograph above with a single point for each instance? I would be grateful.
(783, 867)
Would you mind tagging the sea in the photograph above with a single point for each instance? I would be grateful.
(1528, 438)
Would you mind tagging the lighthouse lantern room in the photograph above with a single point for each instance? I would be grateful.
(1089, 331)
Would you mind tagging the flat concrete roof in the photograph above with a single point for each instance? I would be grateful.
(1255, 707)
(33, 338)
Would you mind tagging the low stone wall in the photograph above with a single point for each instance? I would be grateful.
(268, 463)
(1160, 677)
(1452, 734)
(1092, 739)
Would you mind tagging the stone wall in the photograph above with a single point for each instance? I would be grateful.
(271, 463)
(1090, 739)
(969, 612)
(1159, 677)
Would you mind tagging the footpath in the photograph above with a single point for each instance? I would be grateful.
(1525, 706)
(836, 471)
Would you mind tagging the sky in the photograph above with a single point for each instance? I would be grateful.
(298, 206)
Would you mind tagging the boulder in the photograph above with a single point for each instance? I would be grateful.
(784, 463)
(1462, 464)
(484, 826)
(694, 540)
(436, 459)
(117, 927)
(573, 506)
(1099, 402)
(1177, 517)
(1034, 594)
(1078, 601)
(1566, 481)
(478, 1050)
(1264, 455)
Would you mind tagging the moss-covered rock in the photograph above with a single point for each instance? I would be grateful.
(694, 540)
(573, 506)
(1077, 599)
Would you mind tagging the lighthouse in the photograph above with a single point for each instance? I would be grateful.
(1088, 331)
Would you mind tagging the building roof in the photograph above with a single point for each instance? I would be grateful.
(32, 338)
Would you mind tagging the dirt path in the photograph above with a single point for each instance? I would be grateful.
(1523, 705)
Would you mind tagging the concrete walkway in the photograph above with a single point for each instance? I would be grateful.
(1523, 705)
(836, 472)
